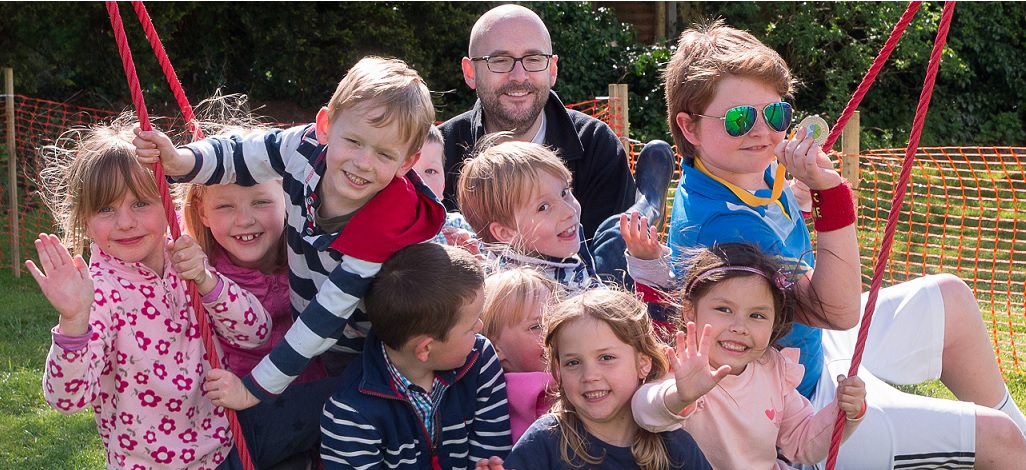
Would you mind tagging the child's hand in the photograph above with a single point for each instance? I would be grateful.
(641, 239)
(226, 389)
(462, 238)
(802, 194)
(851, 396)
(65, 282)
(807, 162)
(690, 365)
(191, 263)
(491, 463)
(154, 146)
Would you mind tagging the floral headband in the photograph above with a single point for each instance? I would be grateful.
(777, 278)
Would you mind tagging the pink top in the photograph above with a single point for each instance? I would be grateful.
(142, 370)
(272, 290)
(741, 422)
(527, 399)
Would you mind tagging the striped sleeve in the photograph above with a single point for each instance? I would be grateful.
(490, 432)
(243, 159)
(318, 327)
(348, 440)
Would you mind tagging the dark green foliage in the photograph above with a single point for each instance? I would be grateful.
(297, 51)
(980, 86)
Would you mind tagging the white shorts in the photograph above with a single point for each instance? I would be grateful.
(904, 346)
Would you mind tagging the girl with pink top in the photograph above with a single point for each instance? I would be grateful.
(242, 230)
(512, 317)
(601, 347)
(127, 344)
(729, 385)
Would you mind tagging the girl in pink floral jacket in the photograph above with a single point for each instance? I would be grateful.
(127, 343)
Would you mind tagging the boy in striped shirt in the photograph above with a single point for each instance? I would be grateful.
(428, 390)
(352, 202)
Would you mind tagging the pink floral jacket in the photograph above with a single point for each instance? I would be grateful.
(142, 370)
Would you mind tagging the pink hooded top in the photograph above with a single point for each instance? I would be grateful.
(742, 421)
(527, 399)
(272, 290)
(143, 366)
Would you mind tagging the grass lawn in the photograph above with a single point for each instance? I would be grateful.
(33, 435)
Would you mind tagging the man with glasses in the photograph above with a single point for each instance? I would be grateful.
(512, 68)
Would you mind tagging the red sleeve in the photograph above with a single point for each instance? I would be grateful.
(401, 214)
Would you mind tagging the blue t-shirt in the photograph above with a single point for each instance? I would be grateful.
(538, 449)
(706, 212)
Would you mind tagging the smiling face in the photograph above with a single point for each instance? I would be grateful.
(361, 158)
(742, 314)
(132, 230)
(598, 374)
(247, 222)
(512, 101)
(739, 160)
(547, 220)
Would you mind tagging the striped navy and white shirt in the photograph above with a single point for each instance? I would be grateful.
(329, 273)
(370, 422)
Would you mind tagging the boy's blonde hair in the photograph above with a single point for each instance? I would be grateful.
(496, 181)
(88, 169)
(395, 90)
(628, 317)
(705, 55)
(508, 295)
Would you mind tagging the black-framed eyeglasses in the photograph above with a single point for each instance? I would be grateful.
(505, 63)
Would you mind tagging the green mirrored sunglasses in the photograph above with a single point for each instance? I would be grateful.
(740, 120)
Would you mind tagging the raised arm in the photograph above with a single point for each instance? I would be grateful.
(75, 360)
(837, 278)
(658, 406)
(238, 158)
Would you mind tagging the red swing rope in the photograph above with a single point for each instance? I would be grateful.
(892, 217)
(871, 74)
(169, 71)
(165, 196)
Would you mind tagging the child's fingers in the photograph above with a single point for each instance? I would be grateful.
(705, 343)
(721, 372)
(689, 341)
(671, 358)
(35, 272)
(41, 250)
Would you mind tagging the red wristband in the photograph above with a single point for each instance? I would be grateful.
(833, 208)
(862, 413)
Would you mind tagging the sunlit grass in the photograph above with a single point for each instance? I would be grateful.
(33, 435)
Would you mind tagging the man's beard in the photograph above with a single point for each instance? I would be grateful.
(517, 121)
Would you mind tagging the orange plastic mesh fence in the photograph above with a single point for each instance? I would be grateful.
(36, 123)
(965, 213)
